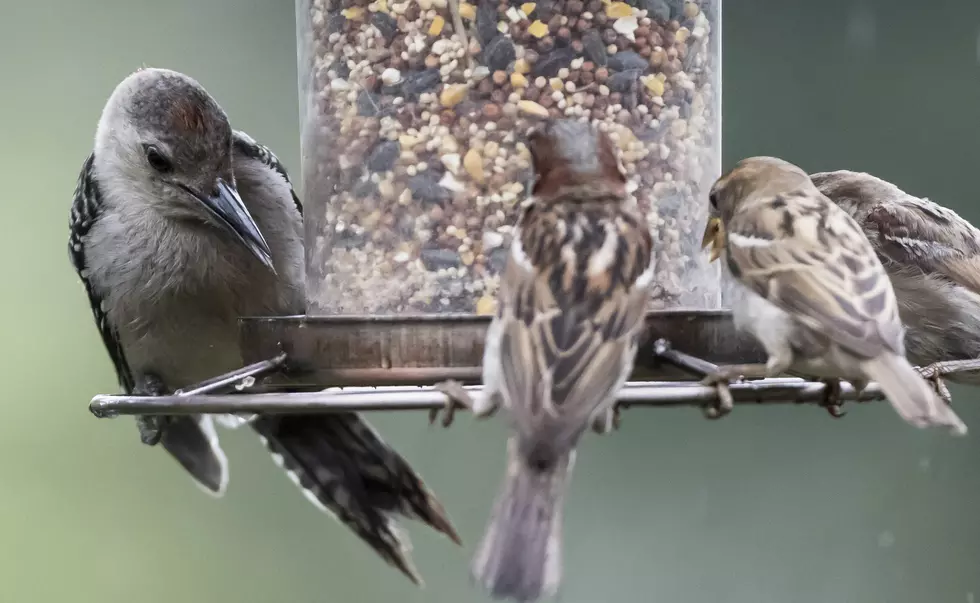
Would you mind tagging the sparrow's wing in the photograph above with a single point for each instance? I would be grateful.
(908, 231)
(572, 304)
(808, 257)
(917, 232)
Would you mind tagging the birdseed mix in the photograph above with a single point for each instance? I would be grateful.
(414, 160)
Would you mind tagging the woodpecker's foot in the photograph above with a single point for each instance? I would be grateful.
(831, 398)
(455, 394)
(150, 426)
(720, 379)
(607, 421)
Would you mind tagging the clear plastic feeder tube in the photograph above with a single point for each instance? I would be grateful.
(414, 163)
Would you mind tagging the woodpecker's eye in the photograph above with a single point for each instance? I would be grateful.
(157, 160)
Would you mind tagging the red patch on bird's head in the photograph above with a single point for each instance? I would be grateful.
(187, 116)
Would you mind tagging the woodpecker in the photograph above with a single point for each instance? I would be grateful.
(179, 226)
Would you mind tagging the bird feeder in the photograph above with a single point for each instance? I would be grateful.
(415, 162)
(414, 115)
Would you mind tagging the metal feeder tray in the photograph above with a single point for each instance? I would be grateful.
(390, 363)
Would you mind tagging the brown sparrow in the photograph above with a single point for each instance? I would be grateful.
(570, 311)
(933, 258)
(813, 291)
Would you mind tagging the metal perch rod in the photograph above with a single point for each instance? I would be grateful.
(655, 393)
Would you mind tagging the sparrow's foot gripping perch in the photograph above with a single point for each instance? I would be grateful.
(150, 426)
(831, 398)
(936, 371)
(720, 379)
(607, 421)
(455, 394)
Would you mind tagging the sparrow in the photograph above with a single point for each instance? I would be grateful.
(813, 292)
(570, 313)
(932, 256)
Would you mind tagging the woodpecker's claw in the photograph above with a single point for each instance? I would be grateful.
(150, 426)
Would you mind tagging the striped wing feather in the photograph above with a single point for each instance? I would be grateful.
(809, 258)
(567, 338)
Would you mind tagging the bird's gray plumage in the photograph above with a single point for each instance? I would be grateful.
(167, 283)
(84, 211)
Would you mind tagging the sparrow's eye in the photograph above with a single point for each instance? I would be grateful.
(157, 159)
(713, 199)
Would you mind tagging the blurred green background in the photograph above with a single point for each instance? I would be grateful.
(771, 505)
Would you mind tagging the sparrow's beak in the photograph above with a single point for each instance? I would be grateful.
(227, 206)
(714, 235)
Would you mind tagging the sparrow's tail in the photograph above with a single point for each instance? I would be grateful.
(520, 555)
(193, 441)
(912, 397)
(346, 469)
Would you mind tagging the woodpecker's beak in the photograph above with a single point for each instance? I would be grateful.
(226, 205)
(714, 235)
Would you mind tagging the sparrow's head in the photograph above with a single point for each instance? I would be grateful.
(163, 137)
(574, 157)
(751, 178)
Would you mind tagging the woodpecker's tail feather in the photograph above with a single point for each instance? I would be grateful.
(230, 421)
(347, 470)
(912, 397)
(193, 441)
(520, 555)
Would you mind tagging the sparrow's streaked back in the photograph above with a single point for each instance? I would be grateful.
(570, 311)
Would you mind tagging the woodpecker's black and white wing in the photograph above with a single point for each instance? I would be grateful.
(191, 440)
(245, 146)
(264, 186)
(85, 210)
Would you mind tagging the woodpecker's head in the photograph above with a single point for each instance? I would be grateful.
(165, 139)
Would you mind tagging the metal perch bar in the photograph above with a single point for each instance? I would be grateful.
(234, 378)
(687, 363)
(656, 393)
